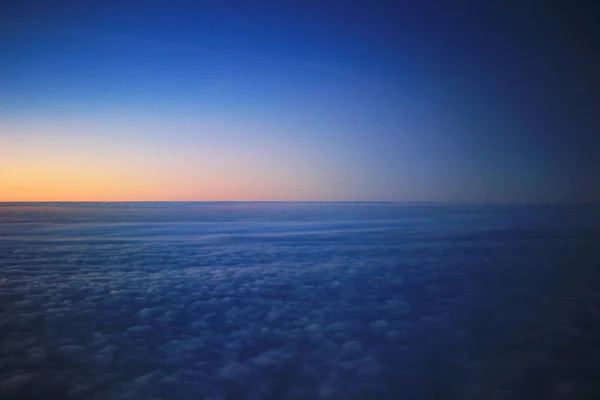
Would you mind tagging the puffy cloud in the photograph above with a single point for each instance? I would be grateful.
(36, 357)
(16, 382)
(73, 353)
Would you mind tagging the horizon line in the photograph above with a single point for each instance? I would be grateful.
(446, 202)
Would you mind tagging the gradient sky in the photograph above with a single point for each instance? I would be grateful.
(299, 100)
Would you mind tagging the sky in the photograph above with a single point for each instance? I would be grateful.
(181, 100)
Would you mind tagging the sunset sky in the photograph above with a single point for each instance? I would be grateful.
(298, 100)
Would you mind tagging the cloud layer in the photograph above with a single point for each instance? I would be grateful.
(295, 302)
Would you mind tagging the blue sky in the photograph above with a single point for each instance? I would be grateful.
(402, 101)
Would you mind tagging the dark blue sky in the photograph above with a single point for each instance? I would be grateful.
(300, 100)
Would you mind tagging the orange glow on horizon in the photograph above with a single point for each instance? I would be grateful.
(38, 165)
(94, 178)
